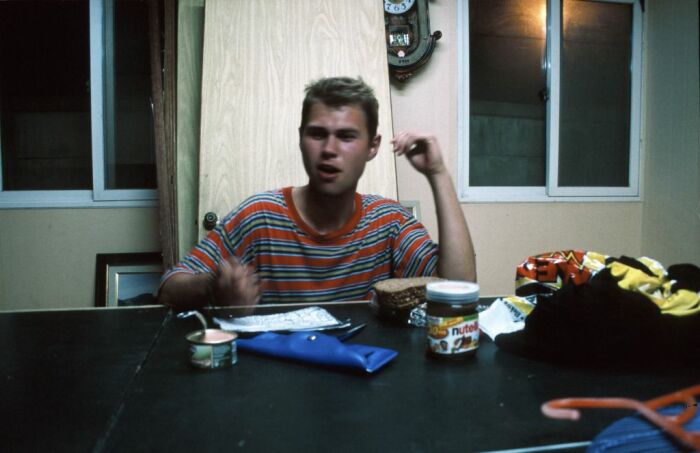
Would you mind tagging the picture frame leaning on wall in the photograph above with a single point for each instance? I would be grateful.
(127, 279)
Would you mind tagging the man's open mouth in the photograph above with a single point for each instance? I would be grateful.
(327, 173)
(329, 169)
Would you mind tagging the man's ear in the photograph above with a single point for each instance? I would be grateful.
(374, 147)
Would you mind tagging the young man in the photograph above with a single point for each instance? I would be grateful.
(323, 241)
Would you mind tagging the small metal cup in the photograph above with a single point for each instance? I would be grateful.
(212, 348)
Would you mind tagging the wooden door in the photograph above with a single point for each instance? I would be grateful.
(258, 57)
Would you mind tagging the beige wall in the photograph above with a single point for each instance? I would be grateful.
(671, 222)
(47, 256)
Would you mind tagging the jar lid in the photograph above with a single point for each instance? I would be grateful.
(452, 292)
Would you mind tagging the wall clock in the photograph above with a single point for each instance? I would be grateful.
(408, 39)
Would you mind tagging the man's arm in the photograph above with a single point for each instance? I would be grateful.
(456, 252)
(187, 291)
(232, 285)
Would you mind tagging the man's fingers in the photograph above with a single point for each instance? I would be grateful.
(409, 142)
(237, 284)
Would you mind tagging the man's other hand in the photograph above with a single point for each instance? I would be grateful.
(236, 284)
(421, 149)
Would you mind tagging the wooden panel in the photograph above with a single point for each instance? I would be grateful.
(189, 87)
(162, 90)
(258, 57)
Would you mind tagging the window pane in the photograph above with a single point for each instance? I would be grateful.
(595, 94)
(507, 114)
(130, 161)
(44, 95)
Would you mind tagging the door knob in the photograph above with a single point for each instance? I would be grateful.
(210, 221)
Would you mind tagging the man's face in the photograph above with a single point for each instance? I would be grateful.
(335, 147)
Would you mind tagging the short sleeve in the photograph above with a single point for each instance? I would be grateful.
(415, 254)
(219, 244)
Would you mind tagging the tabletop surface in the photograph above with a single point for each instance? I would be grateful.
(121, 381)
(64, 374)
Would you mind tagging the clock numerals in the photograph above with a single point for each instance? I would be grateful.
(398, 6)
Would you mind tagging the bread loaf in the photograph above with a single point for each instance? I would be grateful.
(396, 297)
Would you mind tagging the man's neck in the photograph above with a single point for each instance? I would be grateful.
(324, 213)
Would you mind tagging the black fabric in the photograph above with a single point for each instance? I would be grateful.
(687, 276)
(534, 288)
(599, 322)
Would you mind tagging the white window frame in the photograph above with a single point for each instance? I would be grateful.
(102, 125)
(552, 191)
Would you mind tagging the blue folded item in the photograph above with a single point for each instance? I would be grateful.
(319, 349)
(635, 433)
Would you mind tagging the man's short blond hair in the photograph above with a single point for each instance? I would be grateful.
(342, 91)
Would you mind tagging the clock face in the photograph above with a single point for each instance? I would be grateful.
(398, 6)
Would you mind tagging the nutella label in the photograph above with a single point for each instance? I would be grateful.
(453, 335)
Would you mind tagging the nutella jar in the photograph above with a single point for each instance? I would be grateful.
(452, 321)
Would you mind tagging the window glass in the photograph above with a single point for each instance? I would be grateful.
(45, 95)
(130, 148)
(594, 127)
(507, 83)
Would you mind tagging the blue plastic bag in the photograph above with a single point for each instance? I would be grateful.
(319, 349)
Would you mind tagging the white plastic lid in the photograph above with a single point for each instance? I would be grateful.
(452, 292)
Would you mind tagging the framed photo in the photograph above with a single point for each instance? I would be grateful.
(127, 279)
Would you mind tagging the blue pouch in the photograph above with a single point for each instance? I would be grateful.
(635, 433)
(319, 349)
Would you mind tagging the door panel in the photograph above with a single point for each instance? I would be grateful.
(258, 57)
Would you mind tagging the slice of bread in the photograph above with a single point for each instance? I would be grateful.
(402, 293)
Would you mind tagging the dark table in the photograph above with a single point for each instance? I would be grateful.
(65, 374)
(121, 381)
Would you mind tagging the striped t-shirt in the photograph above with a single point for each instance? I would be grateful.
(297, 264)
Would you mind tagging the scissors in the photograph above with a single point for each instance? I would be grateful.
(566, 409)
